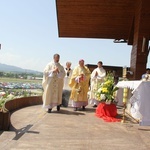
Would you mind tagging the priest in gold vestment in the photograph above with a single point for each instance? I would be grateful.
(79, 84)
(53, 81)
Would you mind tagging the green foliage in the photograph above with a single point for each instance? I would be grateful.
(17, 74)
(4, 79)
(2, 101)
(15, 94)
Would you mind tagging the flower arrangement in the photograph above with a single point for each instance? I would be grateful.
(107, 90)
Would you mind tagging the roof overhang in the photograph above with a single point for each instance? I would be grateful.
(111, 19)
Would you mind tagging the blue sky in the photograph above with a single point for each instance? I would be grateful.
(29, 38)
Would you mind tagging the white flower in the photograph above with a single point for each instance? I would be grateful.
(99, 90)
(102, 84)
(103, 97)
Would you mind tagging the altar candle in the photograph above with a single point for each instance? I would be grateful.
(125, 95)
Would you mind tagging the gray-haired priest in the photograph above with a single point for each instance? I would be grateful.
(53, 81)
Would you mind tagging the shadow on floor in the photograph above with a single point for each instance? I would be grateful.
(90, 110)
(1, 132)
(20, 132)
(143, 129)
(68, 112)
(87, 109)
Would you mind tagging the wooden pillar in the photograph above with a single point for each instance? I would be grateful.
(140, 51)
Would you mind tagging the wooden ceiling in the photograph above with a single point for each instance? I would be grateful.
(111, 19)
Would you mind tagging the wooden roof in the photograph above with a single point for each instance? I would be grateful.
(122, 20)
(111, 19)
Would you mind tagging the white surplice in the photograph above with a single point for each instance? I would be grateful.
(95, 81)
(53, 85)
(67, 79)
(66, 88)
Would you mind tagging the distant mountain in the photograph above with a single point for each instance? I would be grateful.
(9, 68)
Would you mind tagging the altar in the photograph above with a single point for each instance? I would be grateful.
(139, 99)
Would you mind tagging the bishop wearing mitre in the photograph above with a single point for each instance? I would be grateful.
(79, 84)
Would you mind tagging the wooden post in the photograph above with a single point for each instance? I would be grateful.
(4, 121)
(140, 50)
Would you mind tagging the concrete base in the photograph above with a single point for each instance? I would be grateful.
(34, 128)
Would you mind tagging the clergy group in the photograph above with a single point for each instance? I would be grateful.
(79, 81)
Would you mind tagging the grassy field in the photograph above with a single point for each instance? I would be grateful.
(19, 80)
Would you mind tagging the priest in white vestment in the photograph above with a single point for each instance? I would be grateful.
(97, 77)
(53, 81)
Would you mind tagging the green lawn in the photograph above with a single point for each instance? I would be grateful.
(19, 80)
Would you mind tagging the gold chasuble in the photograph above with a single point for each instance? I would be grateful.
(79, 84)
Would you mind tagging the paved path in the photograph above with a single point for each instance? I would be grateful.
(34, 129)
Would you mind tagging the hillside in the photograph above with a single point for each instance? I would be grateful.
(9, 68)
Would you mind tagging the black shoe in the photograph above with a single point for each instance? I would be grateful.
(95, 105)
(58, 108)
(49, 110)
(75, 108)
(83, 107)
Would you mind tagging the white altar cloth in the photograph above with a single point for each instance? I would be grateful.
(140, 100)
(129, 84)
